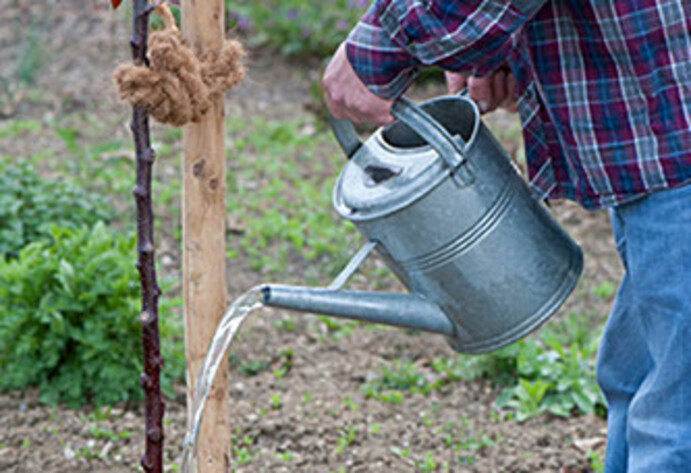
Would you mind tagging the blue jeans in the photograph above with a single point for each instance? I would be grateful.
(644, 361)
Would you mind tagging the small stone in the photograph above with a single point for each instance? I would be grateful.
(68, 452)
(105, 450)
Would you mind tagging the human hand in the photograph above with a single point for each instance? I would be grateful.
(489, 92)
(347, 97)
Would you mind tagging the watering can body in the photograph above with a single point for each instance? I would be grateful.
(436, 196)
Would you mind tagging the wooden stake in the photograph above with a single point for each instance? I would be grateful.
(203, 229)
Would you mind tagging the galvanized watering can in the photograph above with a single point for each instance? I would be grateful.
(436, 196)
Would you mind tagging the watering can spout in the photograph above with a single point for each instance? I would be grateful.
(400, 310)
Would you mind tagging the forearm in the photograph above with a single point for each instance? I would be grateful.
(396, 37)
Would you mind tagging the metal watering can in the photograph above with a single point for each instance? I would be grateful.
(441, 202)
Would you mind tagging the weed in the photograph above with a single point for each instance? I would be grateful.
(349, 404)
(428, 464)
(337, 329)
(596, 463)
(605, 290)
(253, 367)
(403, 454)
(275, 401)
(241, 452)
(100, 433)
(527, 398)
(345, 439)
(285, 325)
(396, 378)
(286, 365)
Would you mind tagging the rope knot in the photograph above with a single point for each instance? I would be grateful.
(179, 86)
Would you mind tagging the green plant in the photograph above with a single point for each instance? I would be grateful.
(395, 378)
(428, 464)
(527, 398)
(554, 376)
(30, 205)
(596, 463)
(253, 367)
(70, 325)
(295, 27)
(276, 402)
(345, 439)
(241, 451)
(605, 290)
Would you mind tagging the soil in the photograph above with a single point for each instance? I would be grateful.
(80, 44)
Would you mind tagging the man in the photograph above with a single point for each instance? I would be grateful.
(604, 95)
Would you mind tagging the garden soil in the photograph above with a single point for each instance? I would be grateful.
(300, 420)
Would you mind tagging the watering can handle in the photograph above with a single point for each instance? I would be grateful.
(450, 149)
(346, 136)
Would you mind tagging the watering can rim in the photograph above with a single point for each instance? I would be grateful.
(437, 172)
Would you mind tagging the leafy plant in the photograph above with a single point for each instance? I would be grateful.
(527, 398)
(30, 205)
(395, 378)
(345, 439)
(70, 325)
(554, 377)
(427, 464)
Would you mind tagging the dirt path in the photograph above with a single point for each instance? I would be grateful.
(302, 407)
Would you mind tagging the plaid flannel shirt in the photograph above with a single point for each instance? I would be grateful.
(604, 87)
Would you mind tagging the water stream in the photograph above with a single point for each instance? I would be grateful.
(227, 328)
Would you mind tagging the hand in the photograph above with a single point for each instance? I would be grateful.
(494, 90)
(347, 97)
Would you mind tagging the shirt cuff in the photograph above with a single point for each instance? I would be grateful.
(387, 69)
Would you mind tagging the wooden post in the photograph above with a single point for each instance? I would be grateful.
(203, 230)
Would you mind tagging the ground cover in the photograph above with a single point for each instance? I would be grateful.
(307, 393)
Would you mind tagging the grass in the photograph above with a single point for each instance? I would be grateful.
(279, 192)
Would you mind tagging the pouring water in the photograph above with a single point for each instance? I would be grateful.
(230, 323)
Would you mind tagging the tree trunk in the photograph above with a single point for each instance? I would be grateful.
(150, 379)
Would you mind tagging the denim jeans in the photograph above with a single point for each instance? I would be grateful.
(644, 361)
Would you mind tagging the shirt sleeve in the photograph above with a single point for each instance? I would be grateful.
(396, 37)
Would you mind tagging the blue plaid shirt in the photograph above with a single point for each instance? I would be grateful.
(604, 87)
